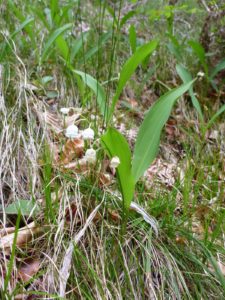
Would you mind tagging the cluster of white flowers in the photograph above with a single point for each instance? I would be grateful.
(72, 132)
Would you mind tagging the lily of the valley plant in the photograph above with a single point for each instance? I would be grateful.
(130, 167)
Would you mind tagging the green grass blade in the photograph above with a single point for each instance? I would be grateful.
(148, 138)
(54, 7)
(17, 12)
(186, 77)
(127, 16)
(128, 69)
(133, 38)
(56, 34)
(95, 86)
(219, 67)
(116, 145)
(13, 253)
(22, 26)
(215, 116)
(103, 39)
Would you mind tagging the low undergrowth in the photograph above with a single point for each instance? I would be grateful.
(73, 225)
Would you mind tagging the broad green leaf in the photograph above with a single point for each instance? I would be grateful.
(186, 77)
(46, 79)
(54, 7)
(53, 37)
(116, 145)
(133, 38)
(26, 207)
(52, 94)
(200, 52)
(148, 138)
(128, 69)
(95, 86)
(77, 44)
(62, 47)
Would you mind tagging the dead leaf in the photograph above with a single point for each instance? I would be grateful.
(114, 215)
(54, 149)
(171, 128)
(71, 212)
(105, 179)
(66, 262)
(28, 269)
(70, 119)
(52, 120)
(181, 240)
(6, 230)
(222, 267)
(162, 171)
(73, 148)
(24, 235)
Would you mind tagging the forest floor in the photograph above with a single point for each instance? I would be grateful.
(65, 230)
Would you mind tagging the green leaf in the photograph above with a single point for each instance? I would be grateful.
(127, 16)
(52, 94)
(219, 67)
(62, 47)
(102, 40)
(22, 26)
(215, 116)
(53, 37)
(186, 77)
(77, 44)
(133, 38)
(200, 52)
(148, 138)
(26, 207)
(18, 13)
(46, 79)
(116, 145)
(128, 69)
(96, 87)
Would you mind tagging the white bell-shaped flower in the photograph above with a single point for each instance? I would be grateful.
(88, 134)
(64, 110)
(71, 131)
(114, 163)
(201, 74)
(90, 156)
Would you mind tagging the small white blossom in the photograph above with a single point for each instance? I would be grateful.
(94, 117)
(201, 74)
(88, 134)
(114, 163)
(72, 131)
(64, 110)
(90, 156)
